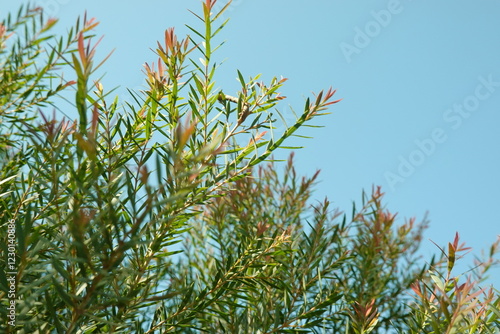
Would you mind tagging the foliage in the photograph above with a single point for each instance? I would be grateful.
(94, 210)
(328, 273)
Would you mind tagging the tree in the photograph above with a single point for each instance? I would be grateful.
(293, 267)
(155, 217)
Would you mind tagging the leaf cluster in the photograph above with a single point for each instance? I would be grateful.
(99, 201)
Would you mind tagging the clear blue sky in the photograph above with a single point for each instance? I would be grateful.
(420, 82)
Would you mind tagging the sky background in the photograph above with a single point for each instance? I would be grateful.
(420, 83)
